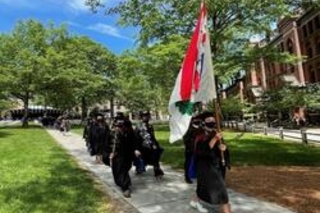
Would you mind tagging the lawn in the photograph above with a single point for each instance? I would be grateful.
(78, 129)
(248, 150)
(37, 175)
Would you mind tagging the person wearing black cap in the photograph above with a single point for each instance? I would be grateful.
(147, 146)
(99, 134)
(211, 186)
(121, 152)
(188, 140)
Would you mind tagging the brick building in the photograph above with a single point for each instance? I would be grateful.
(299, 36)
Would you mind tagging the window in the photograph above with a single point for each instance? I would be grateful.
(305, 32)
(309, 52)
(292, 69)
(290, 45)
(310, 27)
(269, 68)
(318, 47)
(312, 76)
(281, 47)
(317, 22)
(282, 67)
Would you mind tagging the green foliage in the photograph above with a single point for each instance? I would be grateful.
(231, 23)
(22, 56)
(288, 98)
(232, 107)
(145, 76)
(49, 65)
(38, 176)
(133, 88)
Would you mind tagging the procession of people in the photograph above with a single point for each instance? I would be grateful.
(122, 145)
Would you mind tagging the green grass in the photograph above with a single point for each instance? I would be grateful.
(78, 129)
(39, 176)
(250, 149)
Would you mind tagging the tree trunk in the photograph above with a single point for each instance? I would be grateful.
(157, 115)
(26, 110)
(112, 107)
(84, 108)
(280, 117)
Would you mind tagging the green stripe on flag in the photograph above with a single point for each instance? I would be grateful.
(185, 107)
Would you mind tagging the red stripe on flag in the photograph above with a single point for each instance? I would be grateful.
(196, 80)
(190, 61)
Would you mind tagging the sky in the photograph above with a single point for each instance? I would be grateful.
(79, 19)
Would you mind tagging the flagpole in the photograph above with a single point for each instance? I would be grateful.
(217, 117)
(216, 105)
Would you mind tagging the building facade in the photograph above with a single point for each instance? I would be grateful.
(300, 36)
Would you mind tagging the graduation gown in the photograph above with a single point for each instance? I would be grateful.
(122, 144)
(99, 134)
(211, 186)
(149, 147)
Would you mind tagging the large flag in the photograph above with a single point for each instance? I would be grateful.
(195, 81)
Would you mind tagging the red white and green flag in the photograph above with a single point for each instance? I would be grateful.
(195, 81)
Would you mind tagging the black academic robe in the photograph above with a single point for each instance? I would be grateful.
(122, 145)
(211, 186)
(99, 134)
(149, 147)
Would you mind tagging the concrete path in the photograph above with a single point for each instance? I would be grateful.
(9, 123)
(150, 196)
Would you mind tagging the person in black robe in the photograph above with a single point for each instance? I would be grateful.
(99, 134)
(86, 132)
(121, 153)
(147, 146)
(188, 140)
(91, 136)
(211, 187)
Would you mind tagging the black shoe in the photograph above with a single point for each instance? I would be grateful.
(188, 181)
(158, 172)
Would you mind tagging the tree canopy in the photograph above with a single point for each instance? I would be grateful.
(231, 22)
(47, 63)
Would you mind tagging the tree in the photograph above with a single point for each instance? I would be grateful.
(145, 75)
(288, 98)
(232, 107)
(133, 89)
(22, 55)
(52, 66)
(231, 23)
(161, 63)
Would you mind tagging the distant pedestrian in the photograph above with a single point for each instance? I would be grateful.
(64, 125)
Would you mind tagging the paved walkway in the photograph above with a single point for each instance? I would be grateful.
(150, 196)
(9, 123)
